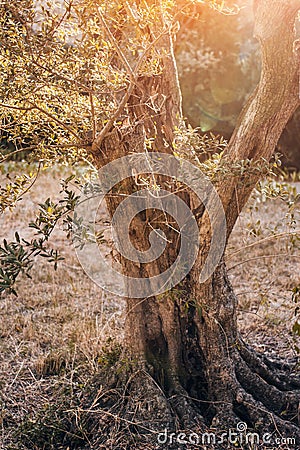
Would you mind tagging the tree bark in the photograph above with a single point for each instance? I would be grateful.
(188, 339)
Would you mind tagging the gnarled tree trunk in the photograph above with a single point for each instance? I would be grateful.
(187, 338)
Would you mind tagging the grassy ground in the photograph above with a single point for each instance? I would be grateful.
(62, 328)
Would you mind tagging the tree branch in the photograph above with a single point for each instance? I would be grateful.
(43, 111)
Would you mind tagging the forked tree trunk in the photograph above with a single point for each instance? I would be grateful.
(187, 338)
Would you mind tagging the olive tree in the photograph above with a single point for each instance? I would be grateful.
(97, 81)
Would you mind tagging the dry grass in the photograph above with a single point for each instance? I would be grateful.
(53, 333)
(264, 269)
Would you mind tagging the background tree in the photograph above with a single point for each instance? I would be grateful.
(217, 75)
(96, 81)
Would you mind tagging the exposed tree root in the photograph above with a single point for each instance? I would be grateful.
(279, 401)
(133, 411)
(187, 413)
(263, 420)
(276, 372)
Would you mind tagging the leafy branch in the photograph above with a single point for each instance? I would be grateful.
(17, 257)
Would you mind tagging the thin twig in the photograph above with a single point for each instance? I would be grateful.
(116, 45)
(17, 374)
(274, 236)
(279, 255)
(32, 183)
(14, 153)
(94, 123)
(34, 106)
(55, 119)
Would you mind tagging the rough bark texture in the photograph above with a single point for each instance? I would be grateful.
(202, 373)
